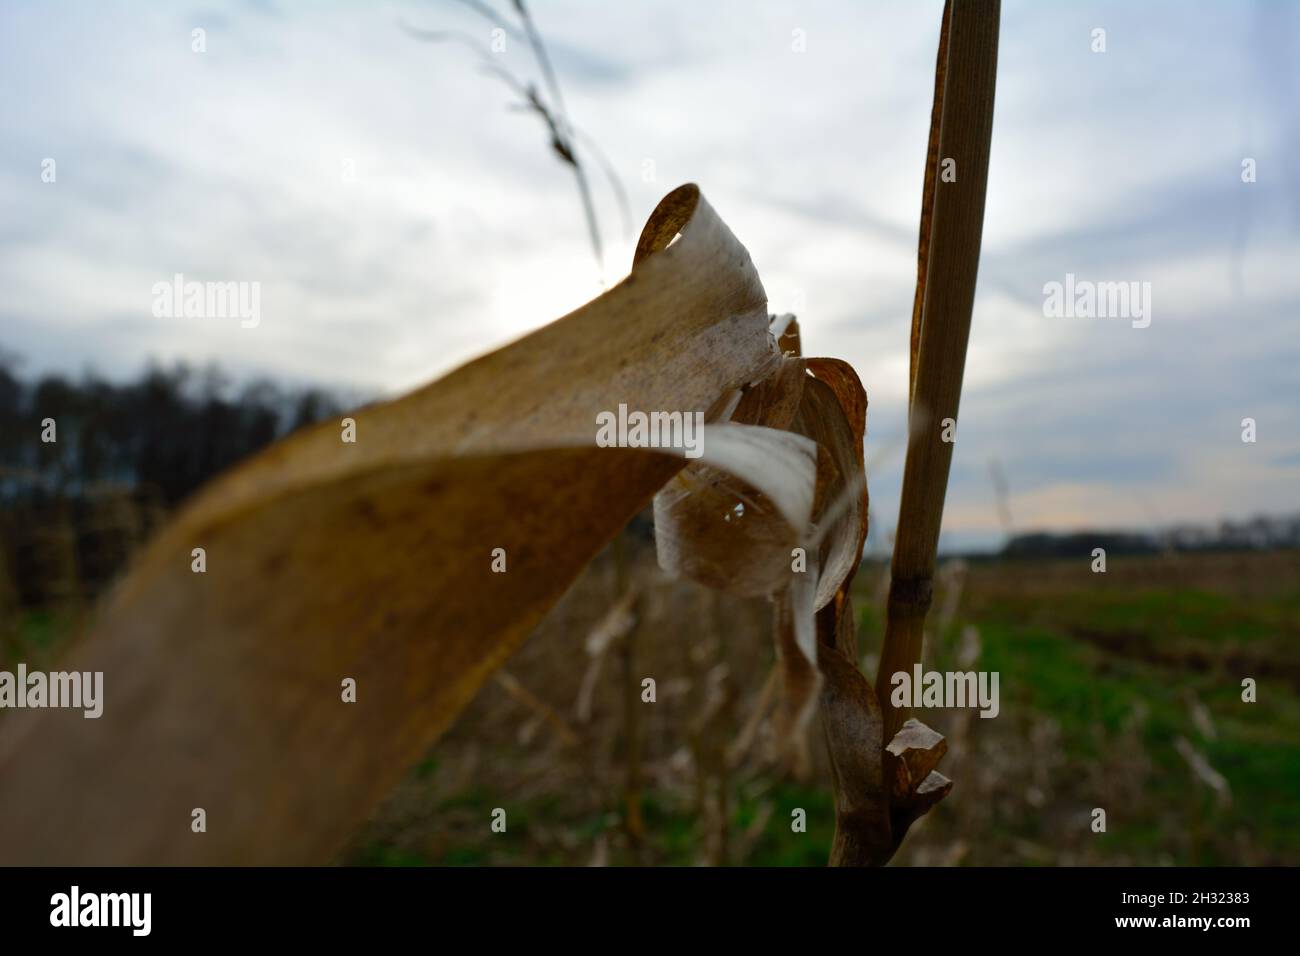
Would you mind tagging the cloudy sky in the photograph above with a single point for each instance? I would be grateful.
(402, 218)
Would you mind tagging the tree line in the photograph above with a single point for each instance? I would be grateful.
(167, 432)
(89, 467)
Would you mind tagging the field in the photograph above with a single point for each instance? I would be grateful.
(1120, 691)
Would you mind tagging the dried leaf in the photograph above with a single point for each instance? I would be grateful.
(710, 529)
(852, 721)
(910, 757)
(372, 561)
(833, 414)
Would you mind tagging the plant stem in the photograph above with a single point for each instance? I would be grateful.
(952, 220)
(633, 823)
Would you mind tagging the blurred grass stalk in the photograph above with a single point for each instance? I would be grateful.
(952, 220)
(550, 108)
(633, 820)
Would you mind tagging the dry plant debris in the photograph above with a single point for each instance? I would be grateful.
(372, 561)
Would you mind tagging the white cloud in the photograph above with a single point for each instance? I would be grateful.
(461, 231)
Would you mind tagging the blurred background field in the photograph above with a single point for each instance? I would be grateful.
(1119, 690)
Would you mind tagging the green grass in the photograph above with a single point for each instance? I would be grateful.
(779, 844)
(1084, 687)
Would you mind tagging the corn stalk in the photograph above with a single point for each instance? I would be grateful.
(883, 765)
(952, 219)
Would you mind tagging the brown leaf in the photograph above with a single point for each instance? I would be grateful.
(713, 530)
(714, 527)
(852, 721)
(833, 414)
(910, 756)
(372, 561)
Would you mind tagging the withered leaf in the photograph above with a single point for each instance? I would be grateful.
(372, 561)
